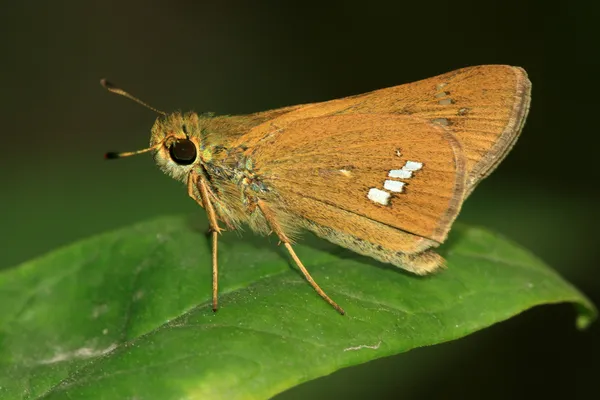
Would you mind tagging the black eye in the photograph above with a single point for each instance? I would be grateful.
(183, 152)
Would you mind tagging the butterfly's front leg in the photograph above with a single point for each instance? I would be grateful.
(198, 190)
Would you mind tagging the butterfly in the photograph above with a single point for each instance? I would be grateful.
(383, 174)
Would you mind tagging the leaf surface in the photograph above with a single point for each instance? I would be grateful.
(127, 314)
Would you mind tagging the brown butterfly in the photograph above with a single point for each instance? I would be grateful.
(383, 174)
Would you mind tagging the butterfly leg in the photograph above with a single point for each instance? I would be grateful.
(270, 217)
(197, 186)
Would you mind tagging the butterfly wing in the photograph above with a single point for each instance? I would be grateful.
(348, 171)
(484, 106)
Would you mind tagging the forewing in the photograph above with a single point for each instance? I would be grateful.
(227, 129)
(484, 106)
(401, 171)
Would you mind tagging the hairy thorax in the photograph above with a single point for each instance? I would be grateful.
(228, 169)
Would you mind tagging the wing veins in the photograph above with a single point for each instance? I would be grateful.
(358, 214)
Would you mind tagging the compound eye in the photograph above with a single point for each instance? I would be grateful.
(183, 152)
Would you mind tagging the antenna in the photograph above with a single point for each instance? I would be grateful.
(111, 155)
(116, 90)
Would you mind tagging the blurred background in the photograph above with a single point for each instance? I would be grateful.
(234, 57)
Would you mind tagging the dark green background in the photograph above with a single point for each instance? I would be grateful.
(239, 57)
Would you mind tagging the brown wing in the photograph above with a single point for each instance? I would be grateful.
(400, 171)
(484, 106)
(230, 127)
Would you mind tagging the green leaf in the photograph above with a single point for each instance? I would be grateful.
(127, 314)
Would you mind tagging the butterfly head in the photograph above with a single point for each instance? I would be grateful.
(177, 141)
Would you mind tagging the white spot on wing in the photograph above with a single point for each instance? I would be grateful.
(412, 166)
(393, 186)
(400, 173)
(345, 172)
(379, 196)
(406, 172)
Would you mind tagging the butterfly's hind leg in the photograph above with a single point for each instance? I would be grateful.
(270, 217)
